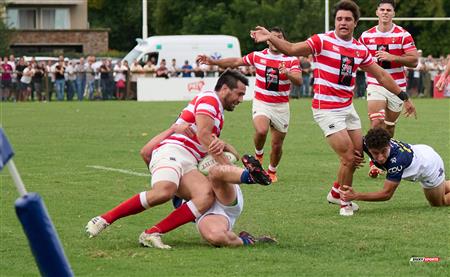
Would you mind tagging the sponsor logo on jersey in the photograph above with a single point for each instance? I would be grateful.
(272, 78)
(385, 48)
(395, 169)
(346, 70)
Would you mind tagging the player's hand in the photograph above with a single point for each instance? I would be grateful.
(410, 110)
(260, 34)
(384, 56)
(347, 193)
(359, 159)
(441, 83)
(203, 59)
(184, 129)
(282, 68)
(216, 146)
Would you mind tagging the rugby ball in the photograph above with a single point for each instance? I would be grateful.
(208, 162)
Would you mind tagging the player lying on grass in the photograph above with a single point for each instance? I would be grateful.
(216, 224)
(400, 160)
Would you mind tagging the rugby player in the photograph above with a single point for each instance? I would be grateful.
(402, 161)
(392, 47)
(275, 72)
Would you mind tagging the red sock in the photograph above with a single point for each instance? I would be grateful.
(371, 163)
(335, 190)
(128, 207)
(175, 219)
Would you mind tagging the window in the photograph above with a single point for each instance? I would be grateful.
(45, 18)
(22, 18)
(57, 18)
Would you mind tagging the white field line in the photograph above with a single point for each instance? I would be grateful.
(124, 171)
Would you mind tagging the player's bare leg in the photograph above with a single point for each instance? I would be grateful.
(223, 178)
(261, 125)
(214, 229)
(276, 152)
(377, 115)
(390, 121)
(440, 195)
(344, 144)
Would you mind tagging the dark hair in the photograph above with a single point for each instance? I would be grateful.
(377, 138)
(347, 5)
(392, 2)
(230, 77)
(277, 29)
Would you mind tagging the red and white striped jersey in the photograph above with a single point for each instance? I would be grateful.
(206, 103)
(336, 62)
(397, 42)
(271, 85)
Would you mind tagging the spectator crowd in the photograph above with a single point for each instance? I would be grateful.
(420, 80)
(62, 79)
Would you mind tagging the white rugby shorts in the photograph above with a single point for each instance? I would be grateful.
(231, 213)
(170, 162)
(332, 121)
(427, 167)
(277, 113)
(375, 92)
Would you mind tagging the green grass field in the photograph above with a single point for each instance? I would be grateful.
(55, 143)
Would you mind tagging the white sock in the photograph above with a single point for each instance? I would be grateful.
(143, 198)
(259, 152)
(273, 169)
(193, 209)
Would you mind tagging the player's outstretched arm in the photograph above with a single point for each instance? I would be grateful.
(146, 151)
(349, 194)
(261, 34)
(385, 79)
(224, 63)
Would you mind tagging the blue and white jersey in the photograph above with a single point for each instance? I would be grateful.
(400, 158)
(417, 162)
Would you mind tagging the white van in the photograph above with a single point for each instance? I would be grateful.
(184, 47)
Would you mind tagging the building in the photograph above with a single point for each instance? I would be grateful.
(53, 26)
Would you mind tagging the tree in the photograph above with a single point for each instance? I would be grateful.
(123, 18)
(5, 34)
(299, 18)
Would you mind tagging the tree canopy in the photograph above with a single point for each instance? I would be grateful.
(299, 18)
(5, 34)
